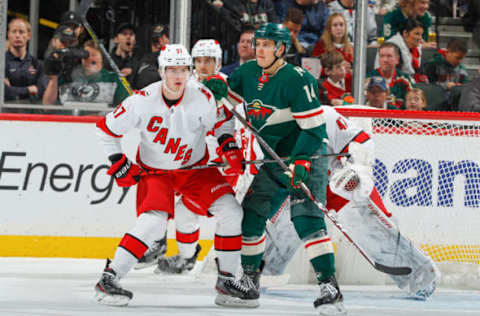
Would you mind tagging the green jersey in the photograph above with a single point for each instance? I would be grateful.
(283, 107)
(395, 20)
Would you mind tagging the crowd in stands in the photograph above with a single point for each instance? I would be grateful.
(75, 70)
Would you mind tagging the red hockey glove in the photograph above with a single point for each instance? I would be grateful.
(217, 85)
(230, 152)
(126, 174)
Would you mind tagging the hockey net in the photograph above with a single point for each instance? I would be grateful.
(427, 170)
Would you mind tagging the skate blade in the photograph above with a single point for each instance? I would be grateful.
(143, 265)
(331, 309)
(112, 300)
(230, 301)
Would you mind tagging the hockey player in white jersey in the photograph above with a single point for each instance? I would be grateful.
(353, 199)
(207, 60)
(173, 116)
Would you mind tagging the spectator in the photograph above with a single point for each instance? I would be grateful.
(125, 54)
(409, 9)
(316, 14)
(446, 68)
(415, 100)
(408, 41)
(381, 7)
(399, 83)
(347, 9)
(248, 12)
(244, 49)
(73, 20)
(147, 71)
(64, 37)
(257, 12)
(377, 94)
(91, 82)
(293, 22)
(335, 38)
(24, 80)
(338, 84)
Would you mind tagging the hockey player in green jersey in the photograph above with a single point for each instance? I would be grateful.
(281, 103)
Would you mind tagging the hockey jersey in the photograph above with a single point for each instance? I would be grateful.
(170, 137)
(283, 107)
(341, 132)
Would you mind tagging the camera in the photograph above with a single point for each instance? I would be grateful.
(62, 61)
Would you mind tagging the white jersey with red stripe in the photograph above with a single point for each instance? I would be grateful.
(341, 132)
(171, 137)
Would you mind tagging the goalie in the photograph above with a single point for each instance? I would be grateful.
(353, 199)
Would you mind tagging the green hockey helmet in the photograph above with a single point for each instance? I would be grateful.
(276, 32)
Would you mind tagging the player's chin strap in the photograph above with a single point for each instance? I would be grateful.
(306, 190)
(273, 62)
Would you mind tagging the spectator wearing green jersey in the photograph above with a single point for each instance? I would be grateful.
(446, 68)
(408, 9)
(90, 83)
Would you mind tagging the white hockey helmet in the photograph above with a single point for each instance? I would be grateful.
(208, 48)
(173, 55)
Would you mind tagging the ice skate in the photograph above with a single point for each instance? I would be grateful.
(177, 264)
(330, 301)
(235, 292)
(157, 250)
(108, 291)
(255, 275)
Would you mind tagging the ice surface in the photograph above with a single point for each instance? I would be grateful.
(54, 287)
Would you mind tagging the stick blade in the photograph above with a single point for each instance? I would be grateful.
(393, 270)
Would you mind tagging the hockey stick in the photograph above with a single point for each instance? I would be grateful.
(82, 11)
(306, 190)
(248, 162)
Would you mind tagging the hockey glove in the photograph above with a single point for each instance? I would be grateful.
(126, 174)
(230, 152)
(217, 85)
(300, 170)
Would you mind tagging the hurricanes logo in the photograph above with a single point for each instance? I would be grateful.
(257, 110)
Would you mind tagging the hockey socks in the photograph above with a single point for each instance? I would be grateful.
(150, 226)
(317, 243)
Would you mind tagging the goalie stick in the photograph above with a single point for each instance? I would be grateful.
(378, 266)
(82, 11)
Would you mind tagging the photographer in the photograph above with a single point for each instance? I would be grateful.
(65, 55)
(90, 82)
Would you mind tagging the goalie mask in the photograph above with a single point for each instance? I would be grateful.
(208, 48)
(173, 55)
